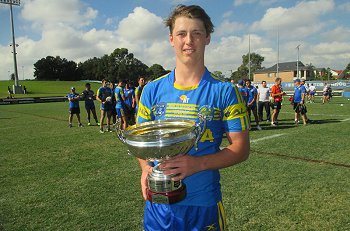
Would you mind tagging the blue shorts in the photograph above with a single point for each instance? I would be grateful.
(107, 107)
(179, 217)
(120, 112)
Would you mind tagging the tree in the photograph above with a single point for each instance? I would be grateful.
(243, 70)
(55, 68)
(155, 71)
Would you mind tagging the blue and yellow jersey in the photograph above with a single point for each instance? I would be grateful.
(129, 95)
(244, 93)
(298, 91)
(75, 103)
(228, 114)
(252, 92)
(104, 92)
(119, 92)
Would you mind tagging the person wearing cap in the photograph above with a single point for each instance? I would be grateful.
(243, 91)
(104, 95)
(298, 102)
(73, 99)
(88, 96)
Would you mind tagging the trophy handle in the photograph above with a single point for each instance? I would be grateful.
(200, 128)
(119, 132)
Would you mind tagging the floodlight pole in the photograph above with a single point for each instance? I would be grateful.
(298, 61)
(249, 59)
(13, 2)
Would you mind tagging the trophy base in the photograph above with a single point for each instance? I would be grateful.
(171, 197)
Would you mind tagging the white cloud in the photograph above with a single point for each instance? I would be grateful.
(295, 22)
(44, 13)
(227, 27)
(345, 7)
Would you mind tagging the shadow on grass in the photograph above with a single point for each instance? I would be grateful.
(289, 123)
(301, 158)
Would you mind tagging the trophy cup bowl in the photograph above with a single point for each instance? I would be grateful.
(159, 140)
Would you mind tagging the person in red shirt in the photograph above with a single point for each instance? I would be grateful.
(277, 95)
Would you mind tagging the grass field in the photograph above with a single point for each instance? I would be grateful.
(45, 88)
(57, 178)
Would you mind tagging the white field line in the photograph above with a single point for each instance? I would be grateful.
(345, 120)
(263, 138)
(267, 138)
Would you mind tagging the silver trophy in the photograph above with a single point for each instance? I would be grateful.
(159, 140)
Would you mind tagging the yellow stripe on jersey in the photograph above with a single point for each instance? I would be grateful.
(238, 94)
(193, 107)
(181, 112)
(217, 78)
(144, 112)
(163, 76)
(237, 111)
(181, 116)
(177, 86)
(222, 216)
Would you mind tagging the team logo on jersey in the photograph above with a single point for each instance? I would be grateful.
(207, 112)
(184, 99)
(211, 227)
(159, 110)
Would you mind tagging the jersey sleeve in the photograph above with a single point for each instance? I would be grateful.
(235, 115)
(144, 112)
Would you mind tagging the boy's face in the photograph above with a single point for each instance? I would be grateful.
(189, 40)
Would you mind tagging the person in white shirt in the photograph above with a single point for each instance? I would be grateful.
(312, 93)
(264, 101)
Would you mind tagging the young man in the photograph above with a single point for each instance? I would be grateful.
(277, 95)
(243, 91)
(138, 91)
(88, 95)
(104, 95)
(312, 93)
(298, 102)
(183, 92)
(129, 95)
(74, 108)
(264, 101)
(120, 104)
(252, 98)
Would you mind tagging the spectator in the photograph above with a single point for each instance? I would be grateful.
(129, 95)
(138, 91)
(298, 102)
(264, 101)
(277, 96)
(312, 93)
(104, 95)
(88, 95)
(73, 99)
(252, 98)
(120, 104)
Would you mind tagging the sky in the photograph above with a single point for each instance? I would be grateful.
(81, 29)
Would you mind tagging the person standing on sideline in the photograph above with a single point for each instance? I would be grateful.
(252, 98)
(88, 95)
(74, 108)
(120, 104)
(298, 102)
(138, 91)
(277, 95)
(182, 93)
(129, 95)
(104, 95)
(312, 93)
(264, 101)
(306, 95)
(243, 91)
